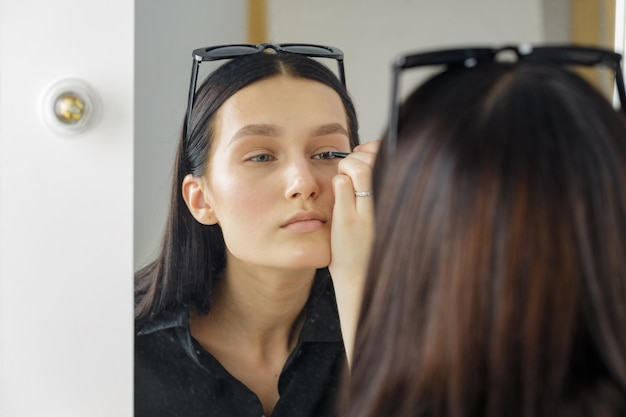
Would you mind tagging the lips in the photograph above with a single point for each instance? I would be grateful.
(305, 222)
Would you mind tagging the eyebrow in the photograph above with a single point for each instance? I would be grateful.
(273, 131)
(256, 130)
(330, 129)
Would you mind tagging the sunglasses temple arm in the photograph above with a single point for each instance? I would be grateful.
(192, 93)
(621, 90)
(342, 74)
(393, 114)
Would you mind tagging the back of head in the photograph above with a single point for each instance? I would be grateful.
(498, 280)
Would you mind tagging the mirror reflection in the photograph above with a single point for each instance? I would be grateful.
(236, 310)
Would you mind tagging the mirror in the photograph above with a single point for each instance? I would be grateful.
(371, 34)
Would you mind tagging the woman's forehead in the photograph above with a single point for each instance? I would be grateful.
(285, 103)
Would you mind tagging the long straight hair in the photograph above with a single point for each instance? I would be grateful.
(497, 285)
(192, 255)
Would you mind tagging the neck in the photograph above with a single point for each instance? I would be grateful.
(260, 308)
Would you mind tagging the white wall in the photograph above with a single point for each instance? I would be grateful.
(372, 32)
(166, 34)
(66, 213)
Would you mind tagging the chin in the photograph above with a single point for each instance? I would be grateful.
(307, 261)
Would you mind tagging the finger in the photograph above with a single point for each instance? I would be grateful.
(369, 147)
(366, 152)
(368, 158)
(344, 195)
(359, 171)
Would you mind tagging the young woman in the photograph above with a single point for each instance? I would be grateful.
(237, 316)
(497, 285)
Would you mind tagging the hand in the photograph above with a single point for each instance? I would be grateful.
(352, 233)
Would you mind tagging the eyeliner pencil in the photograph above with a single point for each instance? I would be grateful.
(339, 154)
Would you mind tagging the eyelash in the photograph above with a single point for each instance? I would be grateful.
(322, 156)
(328, 156)
(256, 157)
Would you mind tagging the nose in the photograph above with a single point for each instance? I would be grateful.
(301, 180)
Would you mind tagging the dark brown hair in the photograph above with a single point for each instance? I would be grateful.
(497, 285)
(192, 255)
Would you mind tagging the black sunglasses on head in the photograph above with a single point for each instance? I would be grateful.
(219, 52)
(470, 57)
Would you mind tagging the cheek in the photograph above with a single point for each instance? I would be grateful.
(326, 183)
(234, 196)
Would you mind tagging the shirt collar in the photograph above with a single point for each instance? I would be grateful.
(321, 324)
(166, 320)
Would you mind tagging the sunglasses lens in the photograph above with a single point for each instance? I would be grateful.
(310, 50)
(575, 56)
(227, 51)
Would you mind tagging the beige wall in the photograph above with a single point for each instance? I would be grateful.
(592, 22)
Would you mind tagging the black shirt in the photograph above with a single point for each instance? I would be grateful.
(176, 376)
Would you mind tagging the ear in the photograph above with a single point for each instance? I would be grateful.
(197, 200)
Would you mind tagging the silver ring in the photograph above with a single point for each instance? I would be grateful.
(364, 193)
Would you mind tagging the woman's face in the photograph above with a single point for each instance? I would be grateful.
(268, 181)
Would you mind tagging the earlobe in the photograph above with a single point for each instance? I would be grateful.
(196, 200)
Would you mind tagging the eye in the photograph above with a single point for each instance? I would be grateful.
(328, 155)
(264, 157)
